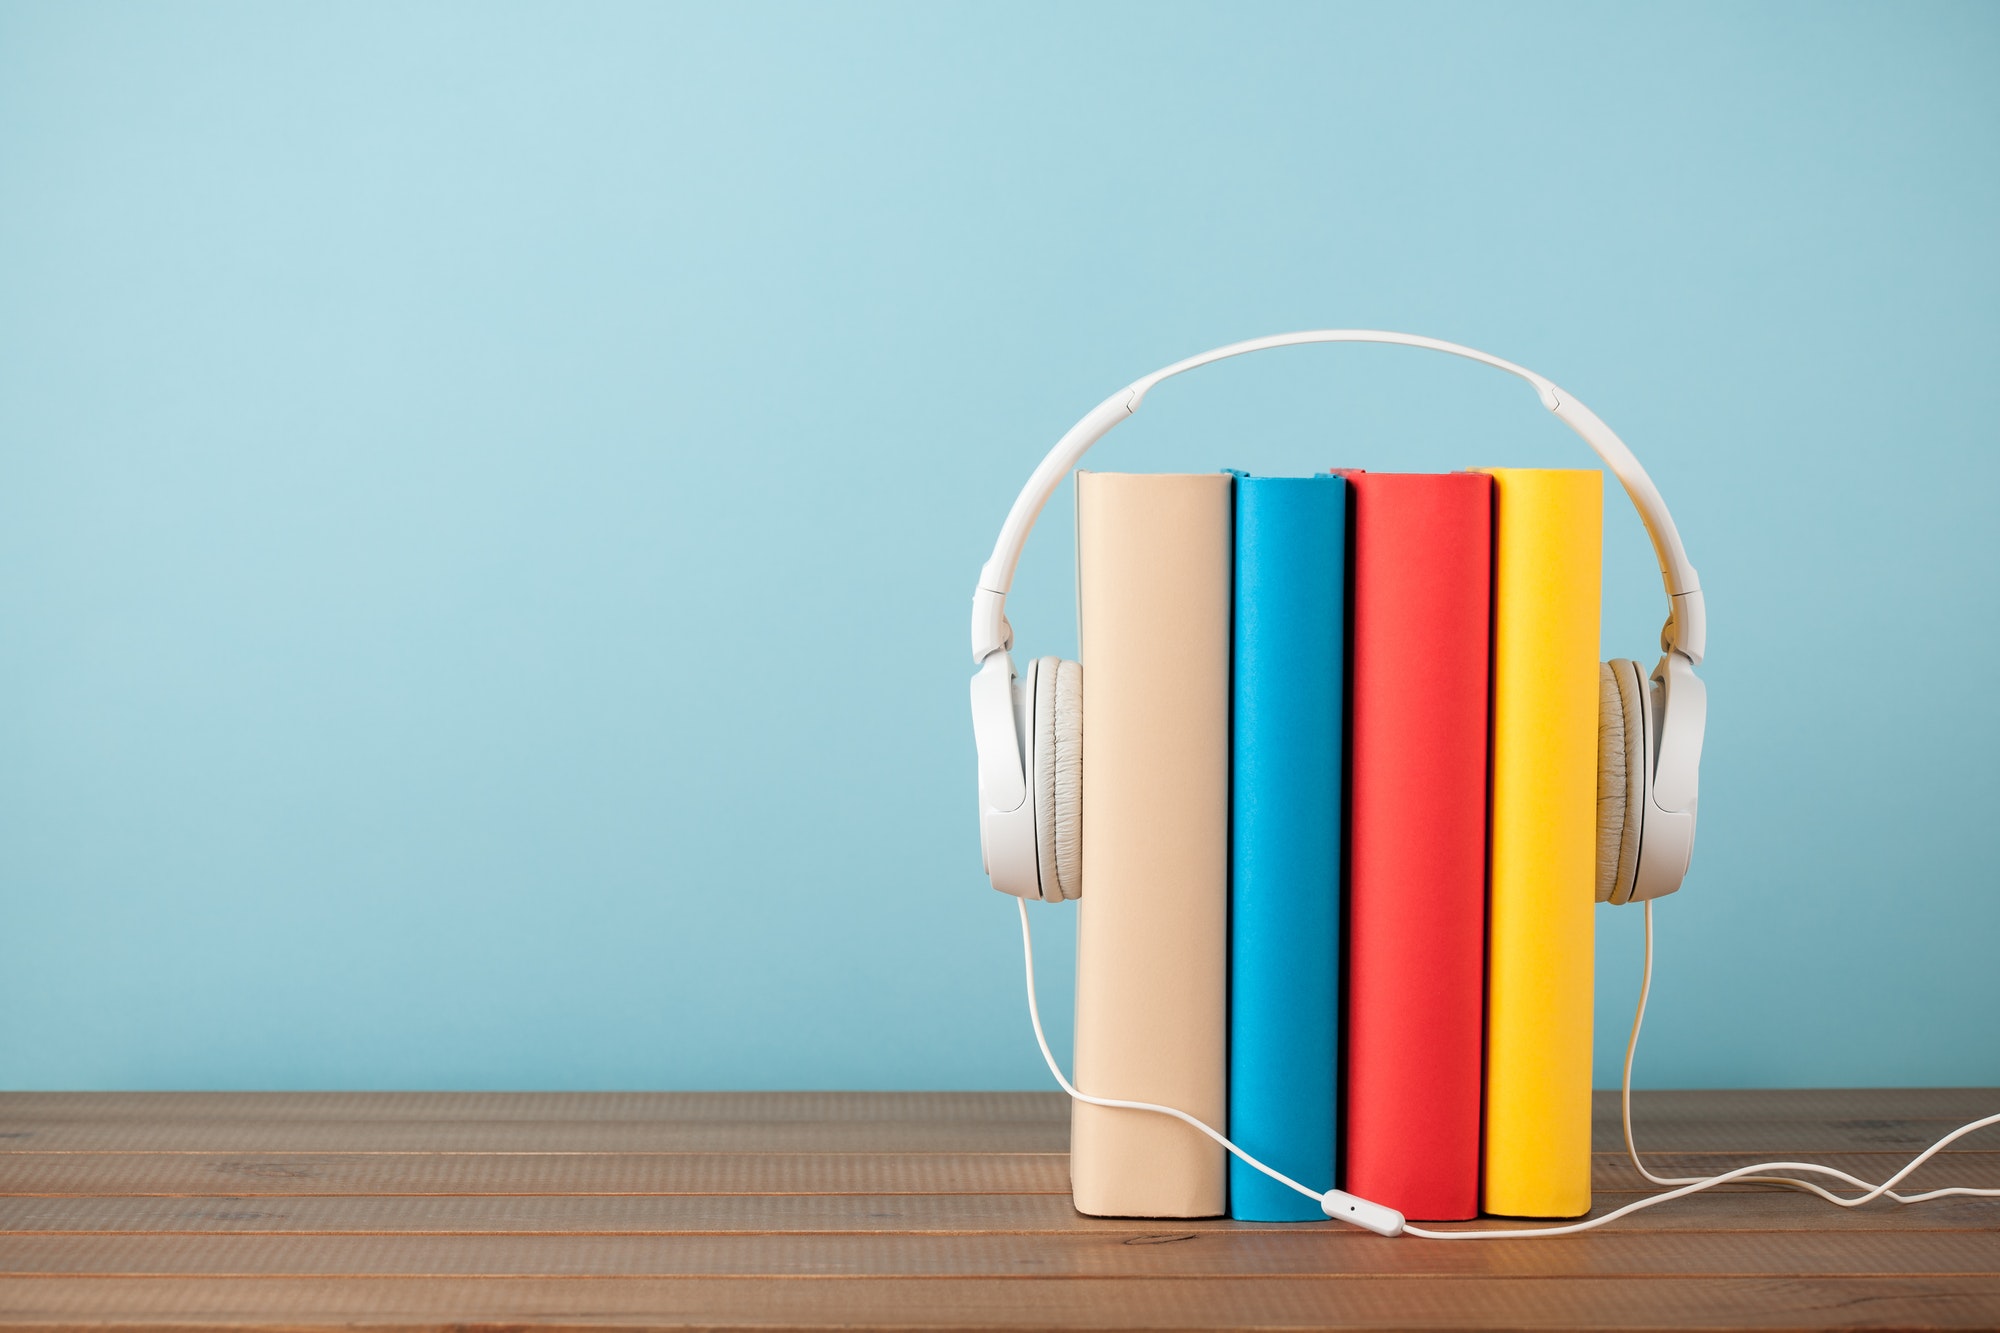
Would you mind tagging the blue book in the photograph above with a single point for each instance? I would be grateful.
(1287, 687)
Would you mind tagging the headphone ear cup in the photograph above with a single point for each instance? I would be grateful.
(1058, 776)
(1621, 776)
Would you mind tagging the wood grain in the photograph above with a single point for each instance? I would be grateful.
(752, 1214)
(1141, 1253)
(436, 1305)
(385, 1172)
(535, 1173)
(241, 1122)
(434, 1211)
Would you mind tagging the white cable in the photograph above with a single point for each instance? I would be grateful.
(1874, 1191)
(1688, 1185)
(1035, 1013)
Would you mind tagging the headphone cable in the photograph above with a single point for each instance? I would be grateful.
(1872, 1192)
(1756, 1174)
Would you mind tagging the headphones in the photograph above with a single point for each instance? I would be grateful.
(1029, 733)
(1649, 731)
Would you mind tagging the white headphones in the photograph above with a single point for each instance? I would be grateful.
(1030, 733)
(1030, 739)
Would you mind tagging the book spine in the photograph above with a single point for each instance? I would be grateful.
(1416, 983)
(1154, 559)
(1284, 891)
(1548, 529)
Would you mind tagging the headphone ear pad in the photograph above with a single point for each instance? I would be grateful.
(1621, 775)
(1058, 777)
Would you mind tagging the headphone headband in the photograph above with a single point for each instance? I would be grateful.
(1686, 630)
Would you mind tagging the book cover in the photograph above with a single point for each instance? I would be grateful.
(1541, 866)
(1154, 560)
(1421, 569)
(1285, 793)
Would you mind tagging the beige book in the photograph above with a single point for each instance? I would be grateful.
(1154, 555)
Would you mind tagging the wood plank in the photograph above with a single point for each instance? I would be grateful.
(235, 1176)
(1796, 1120)
(450, 1305)
(538, 1107)
(387, 1173)
(609, 1215)
(1754, 1105)
(1158, 1252)
(1750, 1121)
(535, 1122)
(1978, 1170)
(242, 1135)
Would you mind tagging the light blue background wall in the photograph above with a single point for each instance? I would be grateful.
(489, 494)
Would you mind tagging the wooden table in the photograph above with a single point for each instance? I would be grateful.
(592, 1210)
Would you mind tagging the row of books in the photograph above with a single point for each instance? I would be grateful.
(1338, 838)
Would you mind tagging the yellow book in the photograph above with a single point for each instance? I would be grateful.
(1547, 575)
(1154, 558)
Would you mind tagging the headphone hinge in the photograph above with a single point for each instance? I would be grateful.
(1686, 630)
(990, 631)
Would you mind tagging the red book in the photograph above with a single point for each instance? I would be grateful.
(1421, 566)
